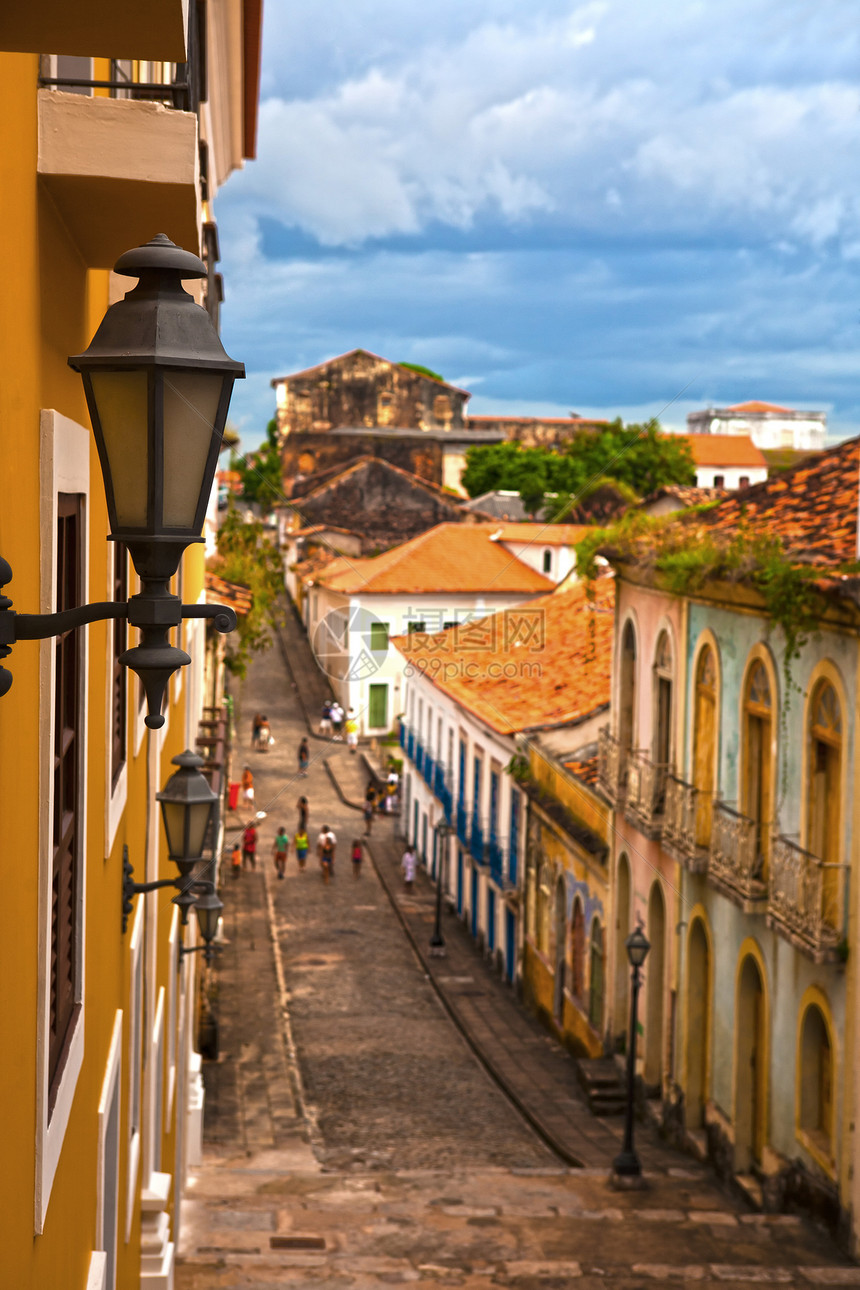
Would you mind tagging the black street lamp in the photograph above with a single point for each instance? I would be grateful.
(158, 383)
(208, 908)
(187, 803)
(626, 1165)
(442, 829)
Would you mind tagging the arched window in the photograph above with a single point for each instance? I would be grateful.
(824, 818)
(816, 1079)
(544, 904)
(705, 742)
(756, 796)
(627, 689)
(577, 940)
(596, 977)
(662, 750)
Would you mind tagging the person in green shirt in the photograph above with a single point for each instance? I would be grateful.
(300, 841)
(280, 849)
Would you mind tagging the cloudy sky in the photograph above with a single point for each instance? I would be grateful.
(615, 207)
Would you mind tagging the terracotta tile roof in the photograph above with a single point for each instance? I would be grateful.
(545, 663)
(353, 353)
(755, 405)
(457, 558)
(686, 494)
(812, 507)
(586, 771)
(337, 475)
(724, 450)
(221, 592)
(320, 559)
(541, 534)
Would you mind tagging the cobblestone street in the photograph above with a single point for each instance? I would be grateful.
(353, 1137)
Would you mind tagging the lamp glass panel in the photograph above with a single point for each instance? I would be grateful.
(173, 814)
(191, 402)
(122, 401)
(198, 822)
(208, 913)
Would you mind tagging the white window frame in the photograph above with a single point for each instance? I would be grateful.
(135, 1061)
(64, 467)
(110, 1090)
(116, 795)
(172, 1008)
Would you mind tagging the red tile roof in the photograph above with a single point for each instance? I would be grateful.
(221, 592)
(454, 558)
(724, 450)
(587, 771)
(545, 663)
(540, 534)
(755, 405)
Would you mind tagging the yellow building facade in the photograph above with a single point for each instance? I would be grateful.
(101, 150)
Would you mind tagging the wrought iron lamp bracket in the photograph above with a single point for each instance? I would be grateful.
(154, 610)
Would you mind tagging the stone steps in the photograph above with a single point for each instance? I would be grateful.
(603, 1088)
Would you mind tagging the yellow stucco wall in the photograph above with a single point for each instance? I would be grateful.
(51, 305)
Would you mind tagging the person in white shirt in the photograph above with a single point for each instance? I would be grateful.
(336, 715)
(408, 865)
(326, 843)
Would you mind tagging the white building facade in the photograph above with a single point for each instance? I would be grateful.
(767, 424)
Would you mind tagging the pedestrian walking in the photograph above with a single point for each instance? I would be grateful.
(325, 719)
(304, 757)
(352, 731)
(255, 729)
(337, 720)
(280, 848)
(408, 864)
(326, 844)
(248, 786)
(357, 856)
(264, 734)
(302, 808)
(236, 859)
(368, 817)
(249, 846)
(300, 841)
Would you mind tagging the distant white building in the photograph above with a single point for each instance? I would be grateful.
(767, 424)
(726, 460)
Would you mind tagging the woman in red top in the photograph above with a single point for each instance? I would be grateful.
(249, 846)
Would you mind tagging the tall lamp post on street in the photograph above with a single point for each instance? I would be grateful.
(443, 832)
(626, 1167)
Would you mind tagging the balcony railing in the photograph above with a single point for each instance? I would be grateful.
(403, 734)
(410, 744)
(610, 765)
(687, 819)
(419, 755)
(476, 841)
(463, 823)
(800, 904)
(736, 863)
(427, 769)
(646, 793)
(496, 856)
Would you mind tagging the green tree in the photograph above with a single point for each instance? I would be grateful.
(422, 371)
(260, 471)
(636, 458)
(248, 557)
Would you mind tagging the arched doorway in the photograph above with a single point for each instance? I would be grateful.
(756, 795)
(621, 1011)
(627, 689)
(698, 1024)
(815, 1110)
(705, 743)
(655, 967)
(750, 1067)
(595, 977)
(824, 816)
(560, 949)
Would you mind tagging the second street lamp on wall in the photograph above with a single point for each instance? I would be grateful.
(158, 382)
